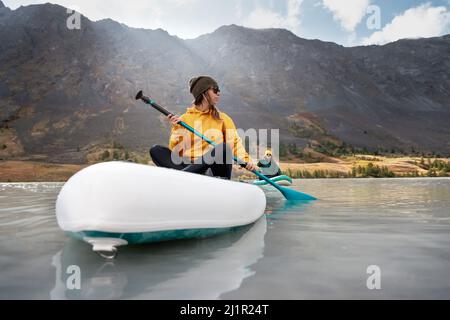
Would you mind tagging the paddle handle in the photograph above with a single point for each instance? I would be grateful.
(153, 103)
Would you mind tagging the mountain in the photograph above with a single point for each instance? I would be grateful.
(67, 95)
(64, 92)
(395, 95)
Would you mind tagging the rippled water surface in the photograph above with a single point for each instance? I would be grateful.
(312, 250)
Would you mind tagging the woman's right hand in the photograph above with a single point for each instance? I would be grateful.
(174, 119)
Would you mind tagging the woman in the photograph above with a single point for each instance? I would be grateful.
(190, 153)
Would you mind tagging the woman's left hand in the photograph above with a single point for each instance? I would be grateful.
(251, 166)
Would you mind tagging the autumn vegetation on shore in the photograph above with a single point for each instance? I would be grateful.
(358, 166)
(327, 159)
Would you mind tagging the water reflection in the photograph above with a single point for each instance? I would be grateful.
(277, 209)
(324, 248)
(192, 269)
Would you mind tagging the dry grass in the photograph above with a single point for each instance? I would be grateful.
(31, 171)
(28, 171)
(400, 166)
(311, 167)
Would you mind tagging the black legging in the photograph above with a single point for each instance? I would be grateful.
(219, 160)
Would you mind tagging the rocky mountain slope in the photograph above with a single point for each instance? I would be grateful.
(68, 95)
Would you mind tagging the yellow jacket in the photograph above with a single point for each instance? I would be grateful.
(189, 145)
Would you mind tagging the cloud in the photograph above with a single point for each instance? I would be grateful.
(267, 18)
(181, 3)
(264, 18)
(419, 22)
(293, 15)
(238, 8)
(137, 13)
(348, 14)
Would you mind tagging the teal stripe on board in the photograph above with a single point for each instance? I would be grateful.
(156, 236)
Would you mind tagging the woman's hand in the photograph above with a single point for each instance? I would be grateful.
(174, 119)
(251, 166)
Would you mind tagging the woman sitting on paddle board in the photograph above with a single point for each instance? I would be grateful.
(190, 153)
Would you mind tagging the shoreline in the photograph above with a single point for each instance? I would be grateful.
(404, 167)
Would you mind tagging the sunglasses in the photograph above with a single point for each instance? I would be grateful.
(216, 90)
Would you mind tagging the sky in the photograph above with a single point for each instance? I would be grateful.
(346, 22)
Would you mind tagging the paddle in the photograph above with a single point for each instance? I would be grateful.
(288, 193)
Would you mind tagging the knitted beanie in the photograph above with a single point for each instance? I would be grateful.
(199, 85)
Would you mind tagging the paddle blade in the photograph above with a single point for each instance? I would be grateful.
(291, 194)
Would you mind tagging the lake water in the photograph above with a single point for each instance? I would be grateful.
(317, 250)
